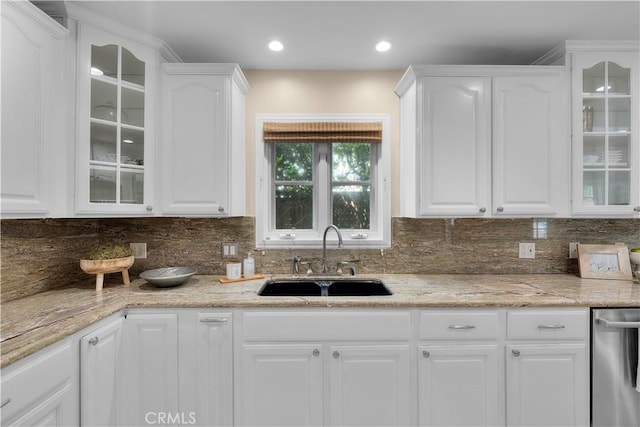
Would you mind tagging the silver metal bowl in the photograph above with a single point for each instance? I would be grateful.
(167, 277)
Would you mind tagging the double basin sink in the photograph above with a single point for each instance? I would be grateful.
(324, 287)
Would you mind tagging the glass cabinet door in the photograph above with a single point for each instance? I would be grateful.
(117, 128)
(606, 135)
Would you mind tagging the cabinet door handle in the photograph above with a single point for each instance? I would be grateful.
(500, 209)
(149, 208)
(461, 327)
(5, 402)
(94, 340)
(550, 326)
(220, 209)
(214, 320)
(636, 209)
(316, 352)
(482, 210)
(426, 354)
(516, 353)
(336, 354)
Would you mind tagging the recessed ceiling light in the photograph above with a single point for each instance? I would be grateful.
(383, 46)
(276, 46)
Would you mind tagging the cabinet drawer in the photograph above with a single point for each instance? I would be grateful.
(455, 325)
(42, 378)
(547, 324)
(324, 326)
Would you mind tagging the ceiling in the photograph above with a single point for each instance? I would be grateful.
(340, 35)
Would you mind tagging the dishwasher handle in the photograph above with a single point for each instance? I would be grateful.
(620, 325)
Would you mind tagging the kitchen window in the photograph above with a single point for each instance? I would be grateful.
(313, 172)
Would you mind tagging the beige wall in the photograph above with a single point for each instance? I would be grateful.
(322, 92)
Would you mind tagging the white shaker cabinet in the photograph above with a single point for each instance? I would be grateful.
(202, 152)
(547, 368)
(33, 112)
(101, 382)
(42, 389)
(484, 141)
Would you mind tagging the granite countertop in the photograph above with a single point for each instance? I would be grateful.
(31, 323)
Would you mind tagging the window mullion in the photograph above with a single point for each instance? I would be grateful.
(323, 184)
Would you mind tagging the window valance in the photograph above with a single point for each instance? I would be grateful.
(331, 132)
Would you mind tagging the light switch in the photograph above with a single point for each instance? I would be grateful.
(527, 250)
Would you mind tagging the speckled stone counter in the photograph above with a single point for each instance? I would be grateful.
(31, 323)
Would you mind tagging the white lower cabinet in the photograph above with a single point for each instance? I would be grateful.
(42, 389)
(149, 367)
(459, 372)
(369, 385)
(281, 385)
(325, 367)
(99, 374)
(547, 367)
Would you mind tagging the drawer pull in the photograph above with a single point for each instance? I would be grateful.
(5, 402)
(550, 326)
(426, 354)
(461, 327)
(214, 320)
(94, 340)
(336, 354)
(516, 353)
(316, 352)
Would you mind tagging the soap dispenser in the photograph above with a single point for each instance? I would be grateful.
(249, 266)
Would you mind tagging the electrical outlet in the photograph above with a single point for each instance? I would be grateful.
(527, 250)
(230, 250)
(138, 250)
(573, 250)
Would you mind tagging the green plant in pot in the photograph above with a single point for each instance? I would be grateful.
(108, 258)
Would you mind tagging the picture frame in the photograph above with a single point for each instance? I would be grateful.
(604, 262)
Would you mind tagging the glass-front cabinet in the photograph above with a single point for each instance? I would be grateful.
(606, 159)
(114, 161)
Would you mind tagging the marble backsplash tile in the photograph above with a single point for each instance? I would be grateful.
(43, 254)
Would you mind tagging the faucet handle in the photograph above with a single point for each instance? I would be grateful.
(340, 265)
(295, 269)
(309, 267)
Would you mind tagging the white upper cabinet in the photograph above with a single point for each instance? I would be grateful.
(33, 112)
(116, 84)
(202, 155)
(606, 159)
(484, 141)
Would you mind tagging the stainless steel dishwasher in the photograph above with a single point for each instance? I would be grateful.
(615, 380)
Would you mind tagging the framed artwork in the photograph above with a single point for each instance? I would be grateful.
(604, 262)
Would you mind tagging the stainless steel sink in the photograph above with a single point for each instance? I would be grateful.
(329, 287)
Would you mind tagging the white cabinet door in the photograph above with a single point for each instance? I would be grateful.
(214, 370)
(202, 142)
(454, 147)
(606, 142)
(369, 385)
(149, 367)
(115, 120)
(99, 369)
(33, 108)
(458, 385)
(547, 385)
(42, 390)
(531, 150)
(281, 385)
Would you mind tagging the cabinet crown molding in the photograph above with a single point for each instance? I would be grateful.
(40, 18)
(221, 69)
(575, 46)
(83, 15)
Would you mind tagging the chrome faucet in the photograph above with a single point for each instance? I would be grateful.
(324, 245)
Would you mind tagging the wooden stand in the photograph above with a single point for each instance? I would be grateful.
(100, 267)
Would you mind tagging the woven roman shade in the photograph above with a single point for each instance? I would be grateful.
(331, 132)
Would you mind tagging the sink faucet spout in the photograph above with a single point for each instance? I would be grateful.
(324, 244)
